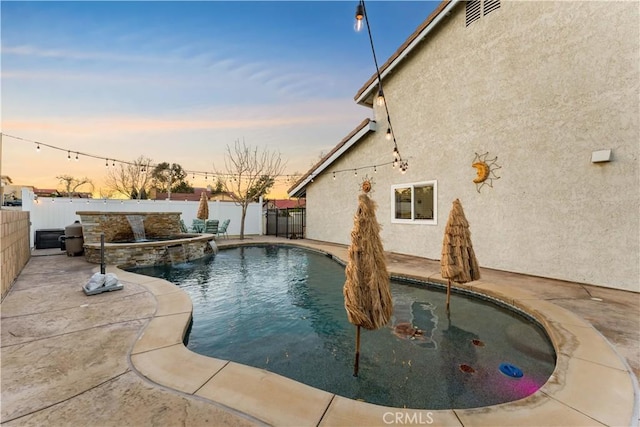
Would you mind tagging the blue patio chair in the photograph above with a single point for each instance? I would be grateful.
(222, 230)
(211, 226)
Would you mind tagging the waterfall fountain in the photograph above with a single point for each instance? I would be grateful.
(137, 226)
(141, 239)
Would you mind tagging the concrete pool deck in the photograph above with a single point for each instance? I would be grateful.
(118, 359)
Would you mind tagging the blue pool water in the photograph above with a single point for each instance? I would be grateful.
(281, 308)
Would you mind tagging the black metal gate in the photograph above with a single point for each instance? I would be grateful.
(289, 223)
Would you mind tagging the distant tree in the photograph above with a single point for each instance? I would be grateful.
(132, 180)
(168, 178)
(182, 187)
(294, 177)
(248, 174)
(321, 156)
(71, 184)
(217, 188)
(260, 188)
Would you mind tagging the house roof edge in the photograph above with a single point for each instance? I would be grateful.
(298, 189)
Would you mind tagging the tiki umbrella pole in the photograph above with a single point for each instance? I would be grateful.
(356, 366)
(357, 363)
(448, 293)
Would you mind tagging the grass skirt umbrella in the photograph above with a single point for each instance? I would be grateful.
(203, 208)
(458, 262)
(367, 296)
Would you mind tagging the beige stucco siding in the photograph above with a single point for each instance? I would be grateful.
(540, 85)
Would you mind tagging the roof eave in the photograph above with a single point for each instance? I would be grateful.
(299, 188)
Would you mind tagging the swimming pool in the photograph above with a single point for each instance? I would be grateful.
(281, 308)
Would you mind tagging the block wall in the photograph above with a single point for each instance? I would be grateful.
(14, 246)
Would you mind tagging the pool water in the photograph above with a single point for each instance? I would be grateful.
(281, 308)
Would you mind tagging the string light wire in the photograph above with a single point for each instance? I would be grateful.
(390, 132)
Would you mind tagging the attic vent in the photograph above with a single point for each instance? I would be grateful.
(473, 11)
(490, 6)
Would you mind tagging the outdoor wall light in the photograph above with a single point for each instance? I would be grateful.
(601, 156)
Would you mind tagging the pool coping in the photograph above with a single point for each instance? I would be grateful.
(590, 385)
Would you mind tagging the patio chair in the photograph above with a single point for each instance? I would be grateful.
(183, 227)
(211, 226)
(198, 225)
(222, 230)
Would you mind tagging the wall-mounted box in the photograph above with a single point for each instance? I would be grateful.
(601, 156)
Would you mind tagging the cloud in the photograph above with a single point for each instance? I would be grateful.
(33, 51)
(212, 118)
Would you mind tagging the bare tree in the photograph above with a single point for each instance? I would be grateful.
(71, 183)
(132, 180)
(249, 174)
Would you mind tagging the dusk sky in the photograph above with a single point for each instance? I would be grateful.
(179, 81)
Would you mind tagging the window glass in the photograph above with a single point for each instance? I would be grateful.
(403, 203)
(423, 202)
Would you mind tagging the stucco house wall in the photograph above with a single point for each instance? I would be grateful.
(540, 85)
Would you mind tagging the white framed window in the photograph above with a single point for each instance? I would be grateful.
(415, 203)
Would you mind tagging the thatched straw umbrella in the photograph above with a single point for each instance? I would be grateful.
(367, 296)
(203, 208)
(458, 262)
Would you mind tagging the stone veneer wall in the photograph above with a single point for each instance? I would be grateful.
(14, 246)
(151, 253)
(116, 227)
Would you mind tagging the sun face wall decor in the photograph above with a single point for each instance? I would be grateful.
(485, 170)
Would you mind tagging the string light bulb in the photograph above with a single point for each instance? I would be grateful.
(359, 16)
(404, 165)
(68, 155)
(380, 98)
(77, 156)
(38, 148)
(396, 153)
(388, 134)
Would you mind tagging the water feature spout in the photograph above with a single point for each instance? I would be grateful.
(177, 254)
(137, 226)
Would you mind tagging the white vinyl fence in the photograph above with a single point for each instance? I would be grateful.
(58, 212)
